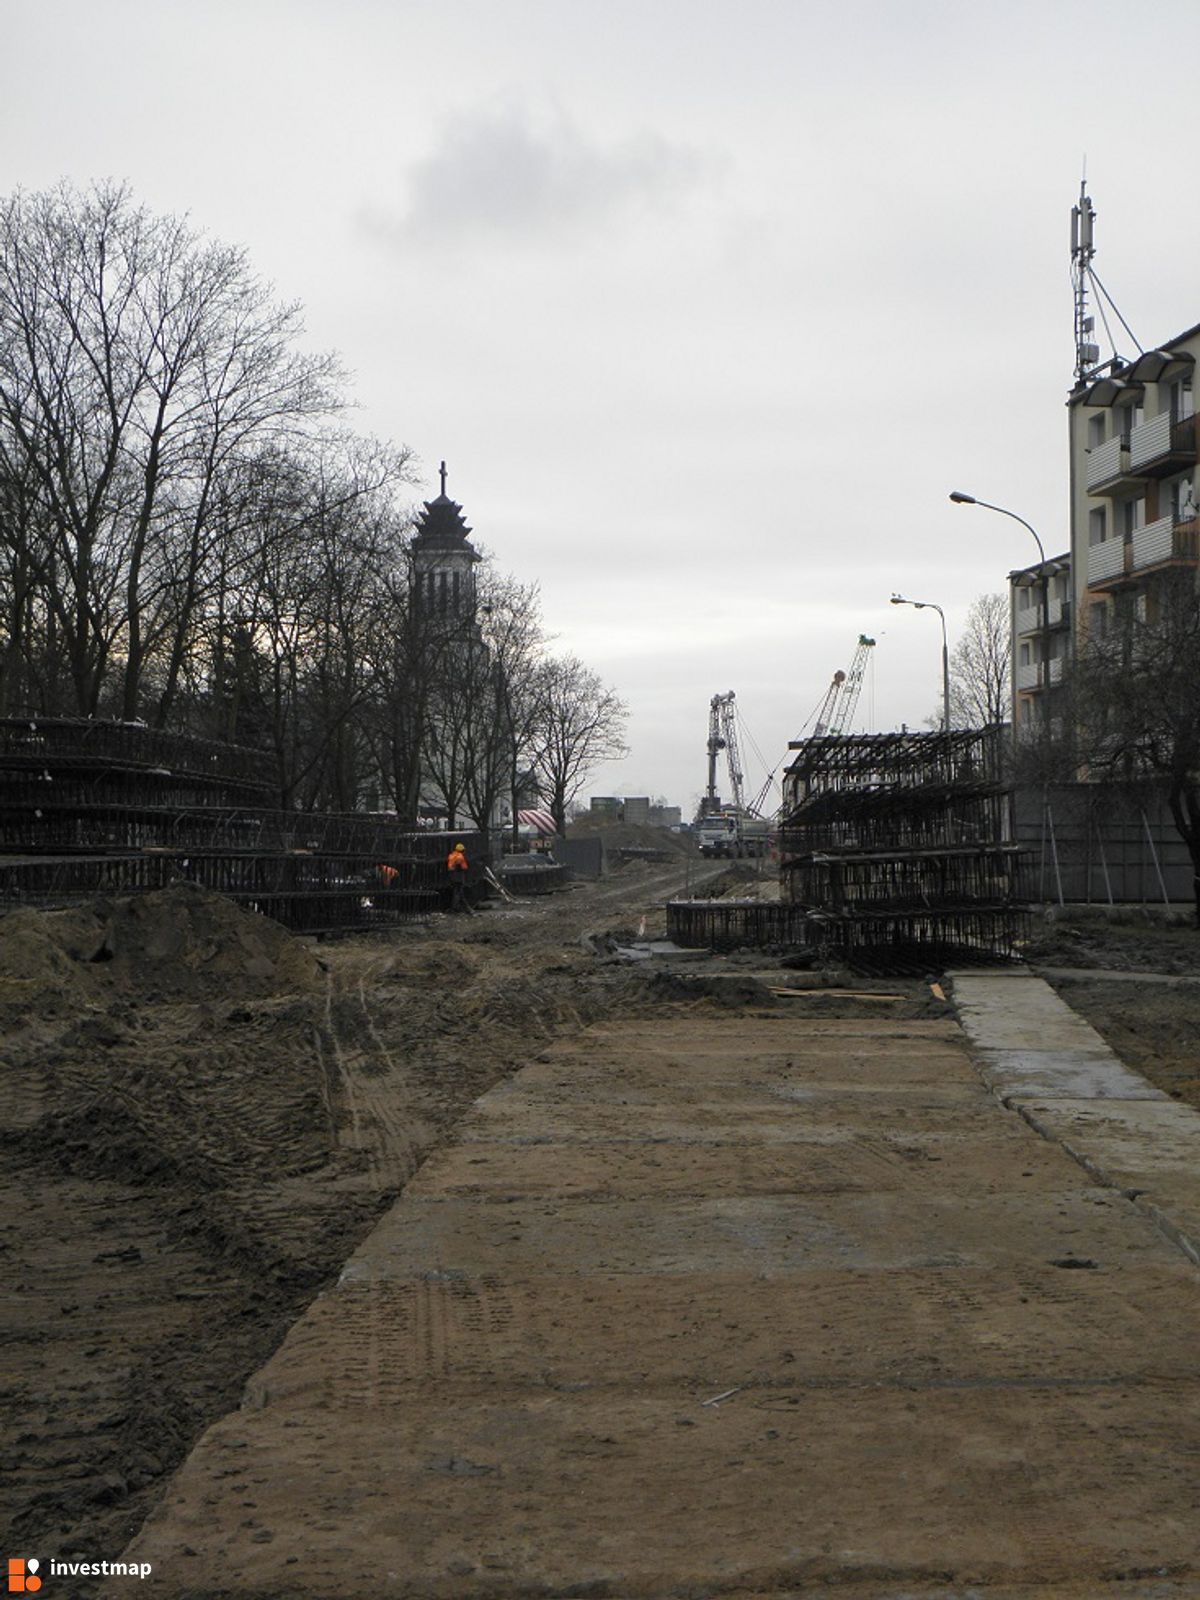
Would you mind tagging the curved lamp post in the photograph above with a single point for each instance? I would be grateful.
(930, 605)
(961, 499)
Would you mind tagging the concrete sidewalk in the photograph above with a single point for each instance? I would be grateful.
(1043, 1060)
(741, 1304)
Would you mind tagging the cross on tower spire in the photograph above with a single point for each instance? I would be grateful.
(443, 477)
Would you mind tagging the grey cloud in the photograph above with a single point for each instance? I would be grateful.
(507, 172)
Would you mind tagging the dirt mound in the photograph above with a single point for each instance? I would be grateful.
(618, 836)
(447, 966)
(735, 990)
(744, 880)
(177, 944)
(37, 970)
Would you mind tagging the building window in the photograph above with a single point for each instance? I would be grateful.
(1180, 400)
(1095, 431)
(1127, 419)
(1181, 499)
(1130, 516)
(1096, 529)
(1098, 620)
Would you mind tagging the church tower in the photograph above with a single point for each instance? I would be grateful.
(444, 560)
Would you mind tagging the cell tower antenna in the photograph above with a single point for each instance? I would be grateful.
(1084, 277)
(1083, 248)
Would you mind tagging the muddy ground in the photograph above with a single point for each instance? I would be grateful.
(202, 1117)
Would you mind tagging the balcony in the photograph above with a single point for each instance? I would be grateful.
(1029, 675)
(1108, 467)
(1162, 446)
(1106, 564)
(1164, 543)
(1029, 618)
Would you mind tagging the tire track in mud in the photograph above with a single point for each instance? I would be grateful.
(378, 1130)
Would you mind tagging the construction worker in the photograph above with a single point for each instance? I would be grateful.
(456, 866)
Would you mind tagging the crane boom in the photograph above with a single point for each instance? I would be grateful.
(846, 703)
(825, 714)
(733, 757)
(722, 735)
(841, 698)
(728, 830)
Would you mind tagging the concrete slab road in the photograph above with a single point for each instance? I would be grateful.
(736, 1305)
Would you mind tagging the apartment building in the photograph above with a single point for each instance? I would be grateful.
(1134, 513)
(1042, 611)
(1134, 492)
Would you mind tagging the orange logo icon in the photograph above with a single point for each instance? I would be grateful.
(22, 1575)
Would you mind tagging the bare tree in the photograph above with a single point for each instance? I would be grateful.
(1134, 706)
(507, 695)
(980, 666)
(136, 361)
(297, 631)
(579, 724)
(411, 718)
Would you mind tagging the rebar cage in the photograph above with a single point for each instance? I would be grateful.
(115, 808)
(895, 853)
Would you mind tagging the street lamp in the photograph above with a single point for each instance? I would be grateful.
(923, 605)
(961, 499)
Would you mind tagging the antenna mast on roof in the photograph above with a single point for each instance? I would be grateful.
(1083, 277)
(1083, 248)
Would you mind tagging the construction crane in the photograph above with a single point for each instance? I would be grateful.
(727, 829)
(722, 735)
(825, 714)
(841, 699)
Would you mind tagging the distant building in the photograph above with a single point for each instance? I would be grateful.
(446, 604)
(1041, 609)
(444, 560)
(635, 809)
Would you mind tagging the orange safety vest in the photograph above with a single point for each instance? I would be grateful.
(456, 861)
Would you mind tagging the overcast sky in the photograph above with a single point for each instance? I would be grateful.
(707, 305)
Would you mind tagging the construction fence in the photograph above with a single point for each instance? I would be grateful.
(1101, 844)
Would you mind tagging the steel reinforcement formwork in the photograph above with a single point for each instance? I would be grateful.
(899, 846)
(90, 808)
(895, 855)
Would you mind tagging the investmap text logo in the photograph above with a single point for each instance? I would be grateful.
(25, 1572)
